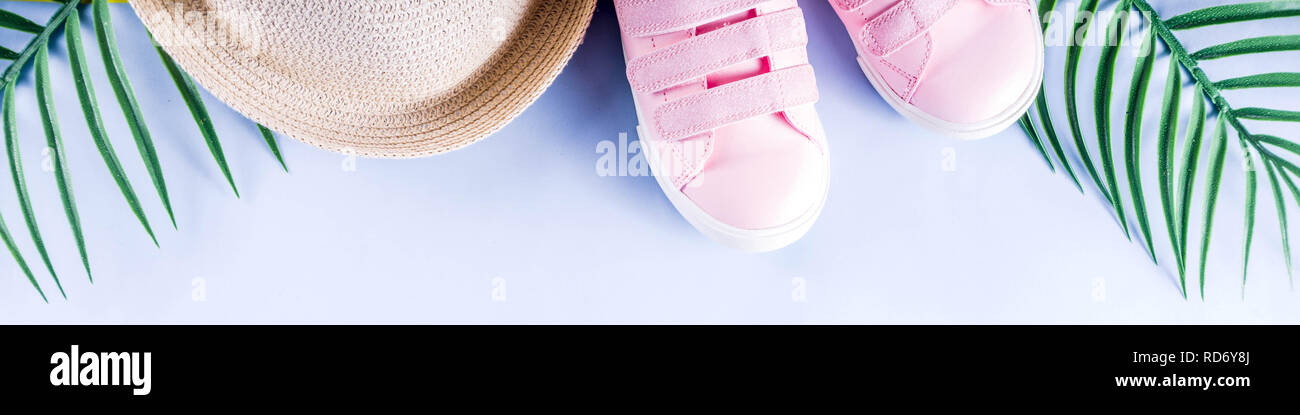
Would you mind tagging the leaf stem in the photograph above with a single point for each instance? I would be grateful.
(41, 39)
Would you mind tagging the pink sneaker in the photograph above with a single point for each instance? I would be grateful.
(725, 98)
(966, 68)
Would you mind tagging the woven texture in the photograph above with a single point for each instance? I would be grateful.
(373, 78)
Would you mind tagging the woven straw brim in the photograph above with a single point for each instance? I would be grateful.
(474, 108)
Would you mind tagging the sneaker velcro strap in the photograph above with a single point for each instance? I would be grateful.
(906, 21)
(735, 102)
(651, 17)
(701, 55)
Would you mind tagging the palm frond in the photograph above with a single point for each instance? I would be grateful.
(9, 20)
(1249, 46)
(1165, 156)
(1252, 192)
(1280, 203)
(1102, 93)
(1073, 55)
(1177, 176)
(190, 93)
(66, 17)
(54, 141)
(1231, 13)
(1265, 114)
(1027, 126)
(18, 257)
(273, 146)
(1133, 136)
(13, 21)
(43, 34)
(1286, 238)
(1187, 183)
(1049, 135)
(20, 181)
(1218, 151)
(95, 121)
(126, 99)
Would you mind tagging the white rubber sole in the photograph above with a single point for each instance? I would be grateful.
(964, 131)
(748, 240)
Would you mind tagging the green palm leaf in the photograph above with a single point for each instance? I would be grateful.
(1101, 97)
(8, 20)
(1286, 244)
(1218, 150)
(1252, 189)
(66, 17)
(1073, 54)
(54, 141)
(1279, 142)
(1187, 183)
(1176, 177)
(1049, 130)
(1045, 8)
(1133, 135)
(1248, 46)
(1265, 114)
(11, 73)
(18, 257)
(1268, 80)
(194, 101)
(126, 99)
(90, 108)
(20, 182)
(1280, 203)
(270, 143)
(1027, 125)
(1165, 155)
(1233, 13)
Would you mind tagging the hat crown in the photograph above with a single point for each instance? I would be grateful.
(400, 50)
(377, 78)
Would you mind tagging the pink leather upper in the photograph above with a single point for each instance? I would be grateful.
(726, 93)
(962, 61)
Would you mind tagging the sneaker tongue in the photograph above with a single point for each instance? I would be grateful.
(738, 72)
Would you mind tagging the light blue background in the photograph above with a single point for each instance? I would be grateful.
(520, 228)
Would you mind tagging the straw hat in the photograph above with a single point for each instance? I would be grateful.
(374, 78)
